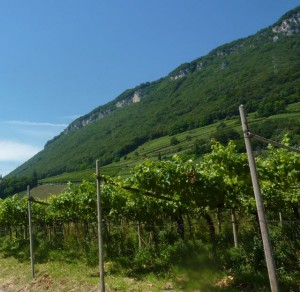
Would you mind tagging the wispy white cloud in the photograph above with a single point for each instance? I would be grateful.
(21, 140)
(16, 151)
(27, 123)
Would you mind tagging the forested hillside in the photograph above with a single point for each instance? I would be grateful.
(260, 71)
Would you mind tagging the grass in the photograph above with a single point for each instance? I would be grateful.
(295, 107)
(76, 176)
(50, 276)
(61, 270)
(44, 191)
(60, 276)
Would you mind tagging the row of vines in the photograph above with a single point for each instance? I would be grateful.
(169, 211)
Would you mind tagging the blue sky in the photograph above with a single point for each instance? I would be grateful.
(62, 58)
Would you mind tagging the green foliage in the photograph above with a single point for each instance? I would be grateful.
(229, 170)
(224, 134)
(178, 181)
(15, 247)
(275, 129)
(163, 198)
(76, 203)
(174, 141)
(280, 175)
(13, 185)
(13, 211)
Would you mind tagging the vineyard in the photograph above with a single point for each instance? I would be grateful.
(173, 216)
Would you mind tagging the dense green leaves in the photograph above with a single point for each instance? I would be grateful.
(280, 174)
(13, 185)
(229, 170)
(170, 188)
(13, 211)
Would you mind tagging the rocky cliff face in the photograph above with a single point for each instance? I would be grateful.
(180, 74)
(288, 26)
(102, 112)
(133, 99)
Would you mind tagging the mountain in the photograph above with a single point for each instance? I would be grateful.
(261, 71)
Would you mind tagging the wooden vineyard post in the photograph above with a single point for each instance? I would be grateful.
(259, 205)
(30, 232)
(100, 240)
(139, 234)
(234, 228)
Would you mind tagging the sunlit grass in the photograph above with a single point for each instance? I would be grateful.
(75, 276)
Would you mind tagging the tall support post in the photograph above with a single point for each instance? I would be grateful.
(259, 205)
(280, 218)
(234, 228)
(30, 232)
(100, 240)
(139, 234)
